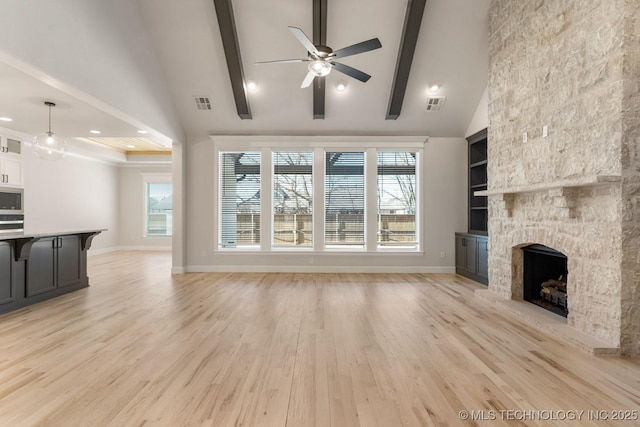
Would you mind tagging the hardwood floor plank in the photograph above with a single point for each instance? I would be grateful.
(140, 347)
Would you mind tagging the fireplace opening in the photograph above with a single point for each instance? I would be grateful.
(545, 278)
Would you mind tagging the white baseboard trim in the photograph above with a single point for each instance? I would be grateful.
(313, 269)
(93, 252)
(178, 270)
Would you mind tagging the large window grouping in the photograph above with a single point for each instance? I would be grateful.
(361, 200)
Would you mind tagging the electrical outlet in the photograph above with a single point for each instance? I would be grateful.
(545, 131)
(442, 254)
(524, 137)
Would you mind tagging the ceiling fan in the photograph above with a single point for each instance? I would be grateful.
(321, 58)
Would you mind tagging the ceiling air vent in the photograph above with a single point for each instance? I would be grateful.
(203, 103)
(435, 103)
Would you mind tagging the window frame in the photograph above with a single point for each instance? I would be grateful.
(218, 202)
(154, 178)
(293, 248)
(419, 202)
(345, 248)
(319, 145)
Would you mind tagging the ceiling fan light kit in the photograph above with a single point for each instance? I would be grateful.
(322, 58)
(319, 68)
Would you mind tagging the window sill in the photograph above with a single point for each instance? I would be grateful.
(333, 252)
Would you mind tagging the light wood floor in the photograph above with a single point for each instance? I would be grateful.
(140, 347)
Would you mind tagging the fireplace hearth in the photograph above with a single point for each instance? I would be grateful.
(545, 278)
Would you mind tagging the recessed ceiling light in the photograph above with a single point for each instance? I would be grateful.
(251, 85)
(434, 88)
(341, 86)
(131, 146)
(6, 119)
(142, 131)
(95, 132)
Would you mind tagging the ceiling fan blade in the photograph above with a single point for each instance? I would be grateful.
(302, 38)
(351, 72)
(357, 48)
(307, 80)
(282, 61)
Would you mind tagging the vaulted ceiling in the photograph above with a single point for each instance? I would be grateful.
(451, 51)
(181, 41)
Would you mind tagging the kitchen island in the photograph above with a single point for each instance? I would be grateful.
(39, 266)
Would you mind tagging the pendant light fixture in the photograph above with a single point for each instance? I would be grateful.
(47, 145)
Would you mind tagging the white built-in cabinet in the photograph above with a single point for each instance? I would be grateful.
(10, 161)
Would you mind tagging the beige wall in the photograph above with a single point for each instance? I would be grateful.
(132, 208)
(480, 119)
(445, 213)
(71, 194)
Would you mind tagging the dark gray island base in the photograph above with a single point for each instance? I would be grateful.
(36, 267)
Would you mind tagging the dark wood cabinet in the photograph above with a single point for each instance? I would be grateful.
(472, 256)
(482, 251)
(41, 267)
(466, 259)
(54, 263)
(472, 247)
(7, 291)
(34, 268)
(68, 262)
(478, 210)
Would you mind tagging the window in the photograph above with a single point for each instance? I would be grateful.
(344, 200)
(292, 199)
(318, 194)
(159, 198)
(239, 200)
(397, 199)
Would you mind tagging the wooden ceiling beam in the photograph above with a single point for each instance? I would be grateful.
(319, 37)
(227, 26)
(412, 22)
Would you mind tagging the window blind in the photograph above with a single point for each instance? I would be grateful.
(239, 200)
(397, 199)
(292, 199)
(344, 199)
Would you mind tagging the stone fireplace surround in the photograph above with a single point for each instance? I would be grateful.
(564, 159)
(581, 219)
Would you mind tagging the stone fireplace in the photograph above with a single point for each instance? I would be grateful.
(568, 77)
(581, 223)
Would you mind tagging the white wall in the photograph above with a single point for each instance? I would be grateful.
(71, 194)
(132, 208)
(445, 213)
(480, 118)
(97, 46)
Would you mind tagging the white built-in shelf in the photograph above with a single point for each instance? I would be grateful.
(588, 181)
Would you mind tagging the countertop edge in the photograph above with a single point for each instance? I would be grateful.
(17, 236)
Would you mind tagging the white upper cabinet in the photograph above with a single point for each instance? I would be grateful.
(10, 162)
